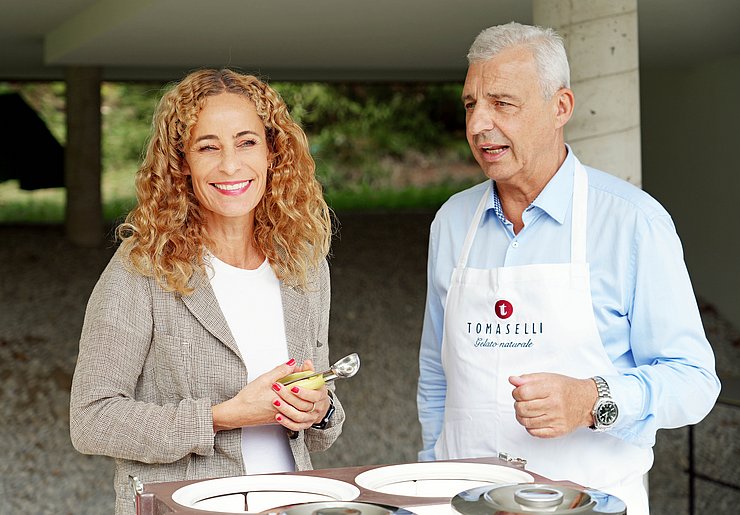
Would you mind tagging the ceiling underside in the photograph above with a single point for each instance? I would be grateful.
(311, 39)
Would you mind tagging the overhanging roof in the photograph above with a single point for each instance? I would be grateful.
(310, 39)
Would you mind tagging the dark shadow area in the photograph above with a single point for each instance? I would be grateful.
(28, 141)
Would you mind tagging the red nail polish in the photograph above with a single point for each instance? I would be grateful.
(276, 387)
(276, 402)
(279, 418)
(294, 389)
(291, 362)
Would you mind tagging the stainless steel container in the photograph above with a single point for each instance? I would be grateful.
(536, 499)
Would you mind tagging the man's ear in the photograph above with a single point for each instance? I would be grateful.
(564, 103)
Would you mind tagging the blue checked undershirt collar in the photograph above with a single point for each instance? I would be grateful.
(497, 205)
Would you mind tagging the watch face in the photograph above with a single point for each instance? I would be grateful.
(606, 413)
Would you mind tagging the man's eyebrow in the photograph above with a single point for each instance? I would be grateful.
(493, 96)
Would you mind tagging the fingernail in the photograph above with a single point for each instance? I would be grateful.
(276, 402)
(291, 362)
(294, 389)
(279, 418)
(276, 387)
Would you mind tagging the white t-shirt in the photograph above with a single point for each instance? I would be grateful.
(251, 303)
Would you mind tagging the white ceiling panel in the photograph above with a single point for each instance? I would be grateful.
(310, 39)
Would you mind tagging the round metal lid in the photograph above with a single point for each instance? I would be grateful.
(536, 499)
(342, 508)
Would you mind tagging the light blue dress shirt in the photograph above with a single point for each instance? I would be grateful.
(643, 302)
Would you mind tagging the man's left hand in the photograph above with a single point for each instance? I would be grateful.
(552, 405)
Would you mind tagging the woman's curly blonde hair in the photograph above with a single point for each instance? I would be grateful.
(165, 236)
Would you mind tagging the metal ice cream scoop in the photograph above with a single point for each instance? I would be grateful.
(342, 369)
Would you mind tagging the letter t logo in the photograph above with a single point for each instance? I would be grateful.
(503, 309)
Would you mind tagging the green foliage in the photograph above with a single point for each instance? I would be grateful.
(361, 135)
(355, 128)
(30, 206)
(127, 119)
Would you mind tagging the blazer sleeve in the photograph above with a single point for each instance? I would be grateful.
(107, 416)
(318, 439)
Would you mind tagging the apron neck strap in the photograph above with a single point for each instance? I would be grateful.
(470, 236)
(578, 215)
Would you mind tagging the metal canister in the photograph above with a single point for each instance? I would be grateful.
(536, 499)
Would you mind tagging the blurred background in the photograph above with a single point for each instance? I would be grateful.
(376, 87)
(376, 145)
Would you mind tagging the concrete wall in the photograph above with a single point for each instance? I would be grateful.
(602, 46)
(690, 147)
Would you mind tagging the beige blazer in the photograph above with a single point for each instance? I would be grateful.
(151, 365)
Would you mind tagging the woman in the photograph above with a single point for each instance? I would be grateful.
(219, 288)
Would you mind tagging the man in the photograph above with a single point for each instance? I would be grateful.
(560, 323)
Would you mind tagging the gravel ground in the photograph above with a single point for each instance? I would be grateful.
(378, 282)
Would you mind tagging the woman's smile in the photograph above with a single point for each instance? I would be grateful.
(232, 188)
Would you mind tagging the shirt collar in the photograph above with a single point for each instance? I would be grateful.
(553, 200)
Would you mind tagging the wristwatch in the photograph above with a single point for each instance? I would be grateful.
(325, 421)
(605, 411)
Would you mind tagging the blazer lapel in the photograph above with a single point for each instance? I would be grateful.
(203, 304)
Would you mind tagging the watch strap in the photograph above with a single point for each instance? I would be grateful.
(602, 387)
(325, 421)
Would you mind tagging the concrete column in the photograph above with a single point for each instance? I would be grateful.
(601, 42)
(82, 166)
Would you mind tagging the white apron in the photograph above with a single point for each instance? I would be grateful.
(524, 319)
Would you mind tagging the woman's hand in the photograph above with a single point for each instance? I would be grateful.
(299, 408)
(255, 404)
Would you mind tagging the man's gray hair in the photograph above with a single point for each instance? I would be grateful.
(546, 46)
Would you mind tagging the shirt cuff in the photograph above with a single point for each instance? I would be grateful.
(627, 393)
